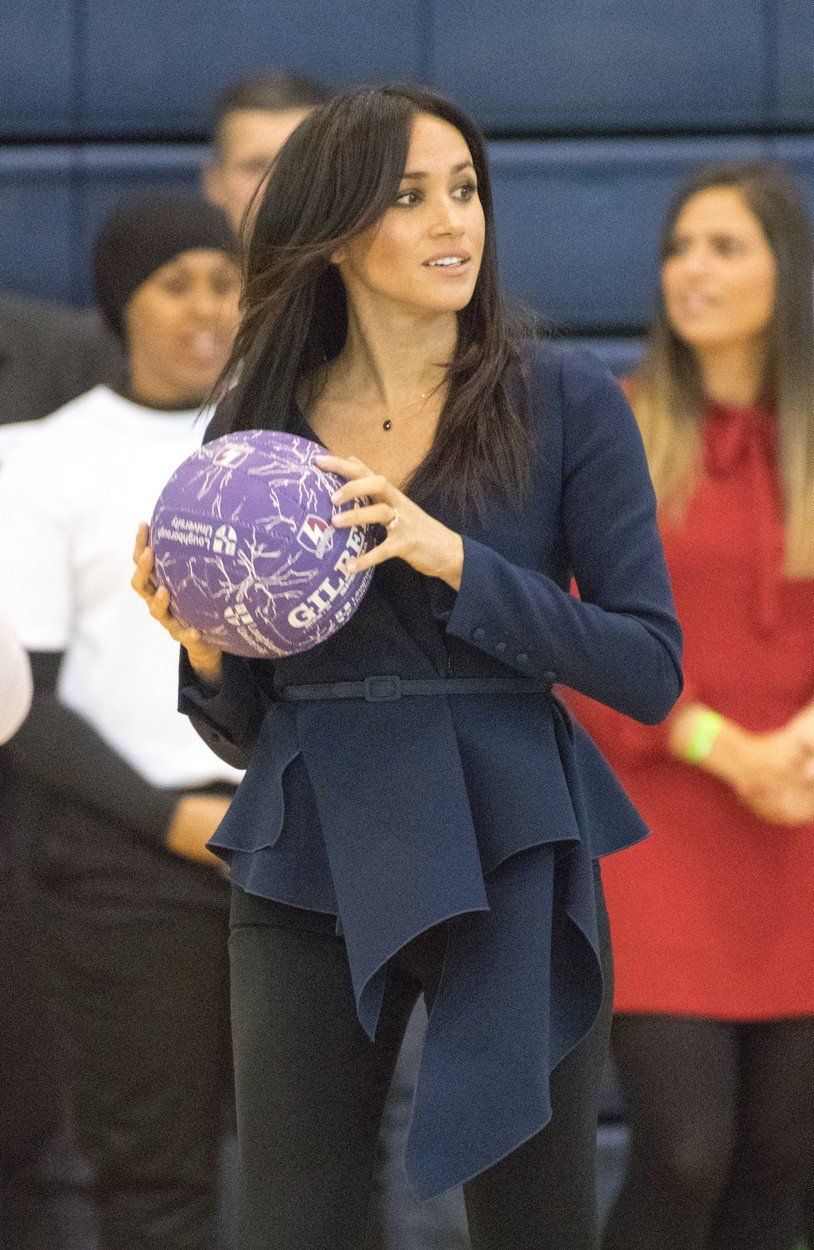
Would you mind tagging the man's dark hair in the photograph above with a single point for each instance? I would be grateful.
(266, 93)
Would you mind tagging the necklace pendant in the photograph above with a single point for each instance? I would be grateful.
(386, 425)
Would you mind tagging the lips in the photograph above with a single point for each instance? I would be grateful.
(204, 346)
(447, 260)
(696, 302)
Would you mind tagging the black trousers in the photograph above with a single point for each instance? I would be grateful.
(311, 1088)
(146, 998)
(30, 1092)
(722, 1132)
(139, 976)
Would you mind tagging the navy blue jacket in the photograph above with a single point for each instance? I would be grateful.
(485, 810)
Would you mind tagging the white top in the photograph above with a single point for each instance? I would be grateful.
(11, 435)
(15, 683)
(73, 488)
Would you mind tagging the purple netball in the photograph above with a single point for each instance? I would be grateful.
(244, 544)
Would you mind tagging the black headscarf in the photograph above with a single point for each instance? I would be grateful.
(144, 233)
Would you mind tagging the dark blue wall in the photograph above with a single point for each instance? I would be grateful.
(596, 110)
(119, 67)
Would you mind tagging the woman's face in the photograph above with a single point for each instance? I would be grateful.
(180, 324)
(720, 275)
(425, 253)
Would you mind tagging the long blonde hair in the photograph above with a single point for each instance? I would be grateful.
(667, 393)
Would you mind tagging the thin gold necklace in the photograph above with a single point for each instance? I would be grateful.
(388, 424)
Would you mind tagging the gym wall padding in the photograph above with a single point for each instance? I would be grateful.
(596, 109)
(187, 51)
(40, 189)
(595, 65)
(793, 71)
(109, 68)
(53, 200)
(39, 66)
(577, 222)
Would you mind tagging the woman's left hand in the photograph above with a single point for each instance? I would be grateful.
(801, 729)
(412, 534)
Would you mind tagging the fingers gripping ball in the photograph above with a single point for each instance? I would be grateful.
(244, 544)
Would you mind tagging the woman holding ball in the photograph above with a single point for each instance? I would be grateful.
(420, 814)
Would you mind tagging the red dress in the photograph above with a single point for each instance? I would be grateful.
(713, 914)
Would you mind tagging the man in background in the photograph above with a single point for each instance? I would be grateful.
(252, 119)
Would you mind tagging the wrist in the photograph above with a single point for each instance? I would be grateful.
(729, 756)
(452, 572)
(209, 673)
(706, 740)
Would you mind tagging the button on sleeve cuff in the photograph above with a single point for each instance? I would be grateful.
(469, 617)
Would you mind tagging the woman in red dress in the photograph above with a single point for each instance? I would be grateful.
(713, 915)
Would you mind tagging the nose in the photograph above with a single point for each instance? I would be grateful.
(695, 261)
(447, 219)
(204, 304)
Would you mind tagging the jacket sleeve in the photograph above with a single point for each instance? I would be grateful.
(229, 718)
(620, 643)
(85, 769)
(620, 738)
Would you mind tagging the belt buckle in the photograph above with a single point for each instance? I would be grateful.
(381, 689)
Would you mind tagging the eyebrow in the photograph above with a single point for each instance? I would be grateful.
(420, 173)
(716, 235)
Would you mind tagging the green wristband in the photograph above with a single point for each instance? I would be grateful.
(706, 729)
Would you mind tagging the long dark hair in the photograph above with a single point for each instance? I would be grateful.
(334, 178)
(668, 398)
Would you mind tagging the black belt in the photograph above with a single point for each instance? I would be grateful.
(380, 689)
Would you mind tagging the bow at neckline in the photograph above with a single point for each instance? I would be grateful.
(742, 439)
(737, 433)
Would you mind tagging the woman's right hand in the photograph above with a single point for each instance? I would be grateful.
(204, 658)
(791, 805)
(195, 819)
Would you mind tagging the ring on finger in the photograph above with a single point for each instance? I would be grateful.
(393, 522)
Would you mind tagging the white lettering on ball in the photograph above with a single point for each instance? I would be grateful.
(320, 600)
